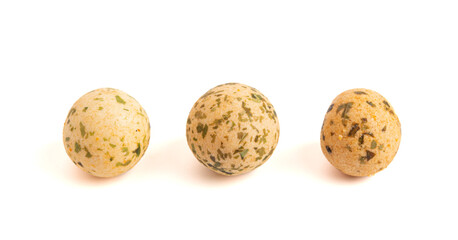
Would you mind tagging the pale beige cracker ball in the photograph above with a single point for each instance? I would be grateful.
(106, 132)
(361, 132)
(232, 129)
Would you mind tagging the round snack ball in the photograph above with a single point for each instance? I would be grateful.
(232, 129)
(106, 132)
(361, 133)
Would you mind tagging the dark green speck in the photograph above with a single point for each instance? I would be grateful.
(123, 164)
(120, 100)
(243, 153)
(77, 147)
(82, 129)
(138, 150)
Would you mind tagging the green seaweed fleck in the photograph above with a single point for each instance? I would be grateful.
(82, 129)
(77, 147)
(138, 150)
(243, 153)
(123, 164)
(120, 100)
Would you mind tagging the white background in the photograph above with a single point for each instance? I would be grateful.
(300, 54)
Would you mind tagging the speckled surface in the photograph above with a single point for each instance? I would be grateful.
(106, 132)
(232, 129)
(361, 133)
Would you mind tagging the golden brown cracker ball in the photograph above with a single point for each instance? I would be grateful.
(361, 132)
(106, 132)
(232, 129)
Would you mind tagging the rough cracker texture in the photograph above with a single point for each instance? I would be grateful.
(361, 133)
(232, 129)
(106, 132)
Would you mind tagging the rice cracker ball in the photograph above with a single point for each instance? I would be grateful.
(232, 129)
(106, 132)
(361, 133)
